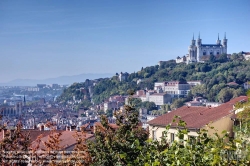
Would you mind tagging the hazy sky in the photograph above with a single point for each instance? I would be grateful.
(49, 38)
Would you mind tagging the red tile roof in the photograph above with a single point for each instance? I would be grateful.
(232, 83)
(67, 139)
(197, 117)
(32, 133)
(112, 125)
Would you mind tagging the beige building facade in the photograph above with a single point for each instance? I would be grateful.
(196, 118)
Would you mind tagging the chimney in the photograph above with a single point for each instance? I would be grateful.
(12, 132)
(72, 128)
(4, 133)
(42, 128)
(78, 128)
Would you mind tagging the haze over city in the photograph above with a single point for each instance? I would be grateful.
(44, 39)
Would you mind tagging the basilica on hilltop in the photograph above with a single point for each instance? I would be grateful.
(197, 50)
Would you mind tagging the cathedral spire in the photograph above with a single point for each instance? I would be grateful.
(218, 37)
(225, 36)
(24, 100)
(193, 36)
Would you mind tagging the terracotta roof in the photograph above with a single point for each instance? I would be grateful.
(197, 117)
(158, 94)
(112, 125)
(67, 139)
(85, 125)
(194, 102)
(33, 133)
(232, 83)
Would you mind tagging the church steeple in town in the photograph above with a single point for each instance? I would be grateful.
(24, 101)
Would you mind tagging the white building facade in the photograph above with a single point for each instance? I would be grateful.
(197, 50)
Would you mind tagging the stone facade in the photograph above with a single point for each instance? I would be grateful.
(173, 88)
(197, 50)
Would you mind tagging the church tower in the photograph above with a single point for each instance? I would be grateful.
(24, 101)
(224, 45)
(199, 52)
(218, 40)
(192, 50)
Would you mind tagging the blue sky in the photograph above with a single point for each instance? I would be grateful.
(49, 38)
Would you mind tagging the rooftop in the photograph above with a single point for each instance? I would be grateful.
(211, 45)
(197, 117)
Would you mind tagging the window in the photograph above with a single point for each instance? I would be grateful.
(192, 139)
(204, 53)
(218, 53)
(154, 134)
(172, 137)
(211, 53)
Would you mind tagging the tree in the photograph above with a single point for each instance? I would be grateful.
(109, 113)
(234, 56)
(222, 58)
(200, 151)
(136, 102)
(199, 90)
(148, 105)
(182, 80)
(189, 96)
(212, 58)
(225, 95)
(166, 107)
(242, 130)
(80, 156)
(47, 152)
(177, 103)
(100, 112)
(118, 146)
(16, 144)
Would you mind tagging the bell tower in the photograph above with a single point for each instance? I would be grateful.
(224, 44)
(218, 40)
(199, 53)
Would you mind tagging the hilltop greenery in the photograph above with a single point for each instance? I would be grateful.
(215, 73)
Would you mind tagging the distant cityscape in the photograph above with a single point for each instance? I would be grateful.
(79, 105)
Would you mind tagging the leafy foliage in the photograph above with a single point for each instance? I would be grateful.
(118, 146)
(203, 150)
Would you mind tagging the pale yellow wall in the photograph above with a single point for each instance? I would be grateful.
(160, 129)
(222, 124)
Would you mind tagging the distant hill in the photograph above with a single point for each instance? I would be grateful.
(217, 73)
(62, 80)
